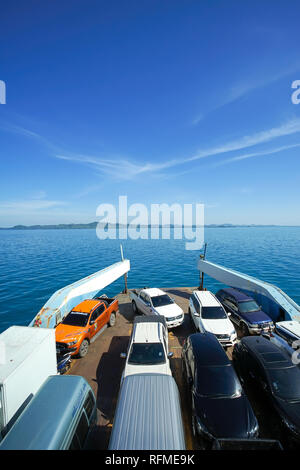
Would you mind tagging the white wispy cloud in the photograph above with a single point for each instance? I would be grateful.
(256, 154)
(126, 169)
(28, 206)
(245, 87)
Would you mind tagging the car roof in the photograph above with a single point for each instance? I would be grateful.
(86, 306)
(147, 332)
(153, 291)
(158, 424)
(207, 350)
(241, 296)
(206, 298)
(39, 427)
(268, 353)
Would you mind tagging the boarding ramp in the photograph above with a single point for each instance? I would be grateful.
(276, 303)
(63, 300)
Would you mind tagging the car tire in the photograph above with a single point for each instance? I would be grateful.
(83, 348)
(244, 329)
(112, 319)
(135, 309)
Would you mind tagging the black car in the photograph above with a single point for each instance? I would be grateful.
(220, 408)
(272, 371)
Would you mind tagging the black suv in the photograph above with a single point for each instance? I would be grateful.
(220, 408)
(272, 371)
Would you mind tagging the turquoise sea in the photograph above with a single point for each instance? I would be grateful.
(35, 263)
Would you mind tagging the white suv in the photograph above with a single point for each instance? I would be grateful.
(148, 347)
(208, 314)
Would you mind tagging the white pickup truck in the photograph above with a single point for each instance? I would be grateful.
(152, 301)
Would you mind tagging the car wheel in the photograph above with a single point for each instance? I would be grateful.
(245, 330)
(83, 348)
(112, 319)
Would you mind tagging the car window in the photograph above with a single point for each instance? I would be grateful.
(248, 306)
(191, 360)
(76, 319)
(285, 383)
(147, 354)
(232, 304)
(89, 404)
(82, 429)
(94, 315)
(196, 304)
(99, 311)
(161, 300)
(213, 313)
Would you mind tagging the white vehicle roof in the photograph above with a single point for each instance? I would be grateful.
(292, 326)
(147, 333)
(153, 292)
(207, 298)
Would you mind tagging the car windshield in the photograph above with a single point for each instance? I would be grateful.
(76, 319)
(147, 354)
(285, 383)
(248, 306)
(161, 300)
(218, 382)
(213, 313)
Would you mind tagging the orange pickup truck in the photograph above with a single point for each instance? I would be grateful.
(84, 323)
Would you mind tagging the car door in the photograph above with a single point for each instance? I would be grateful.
(195, 311)
(230, 305)
(97, 320)
(148, 304)
(142, 303)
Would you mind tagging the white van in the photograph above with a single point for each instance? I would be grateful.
(208, 314)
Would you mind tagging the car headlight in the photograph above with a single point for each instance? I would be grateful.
(72, 342)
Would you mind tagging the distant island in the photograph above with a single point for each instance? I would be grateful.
(93, 225)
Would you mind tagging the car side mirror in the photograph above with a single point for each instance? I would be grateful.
(170, 354)
(123, 355)
(229, 314)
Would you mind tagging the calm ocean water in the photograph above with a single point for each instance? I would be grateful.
(35, 263)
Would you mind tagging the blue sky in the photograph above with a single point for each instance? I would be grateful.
(162, 101)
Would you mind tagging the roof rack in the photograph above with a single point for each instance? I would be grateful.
(150, 319)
